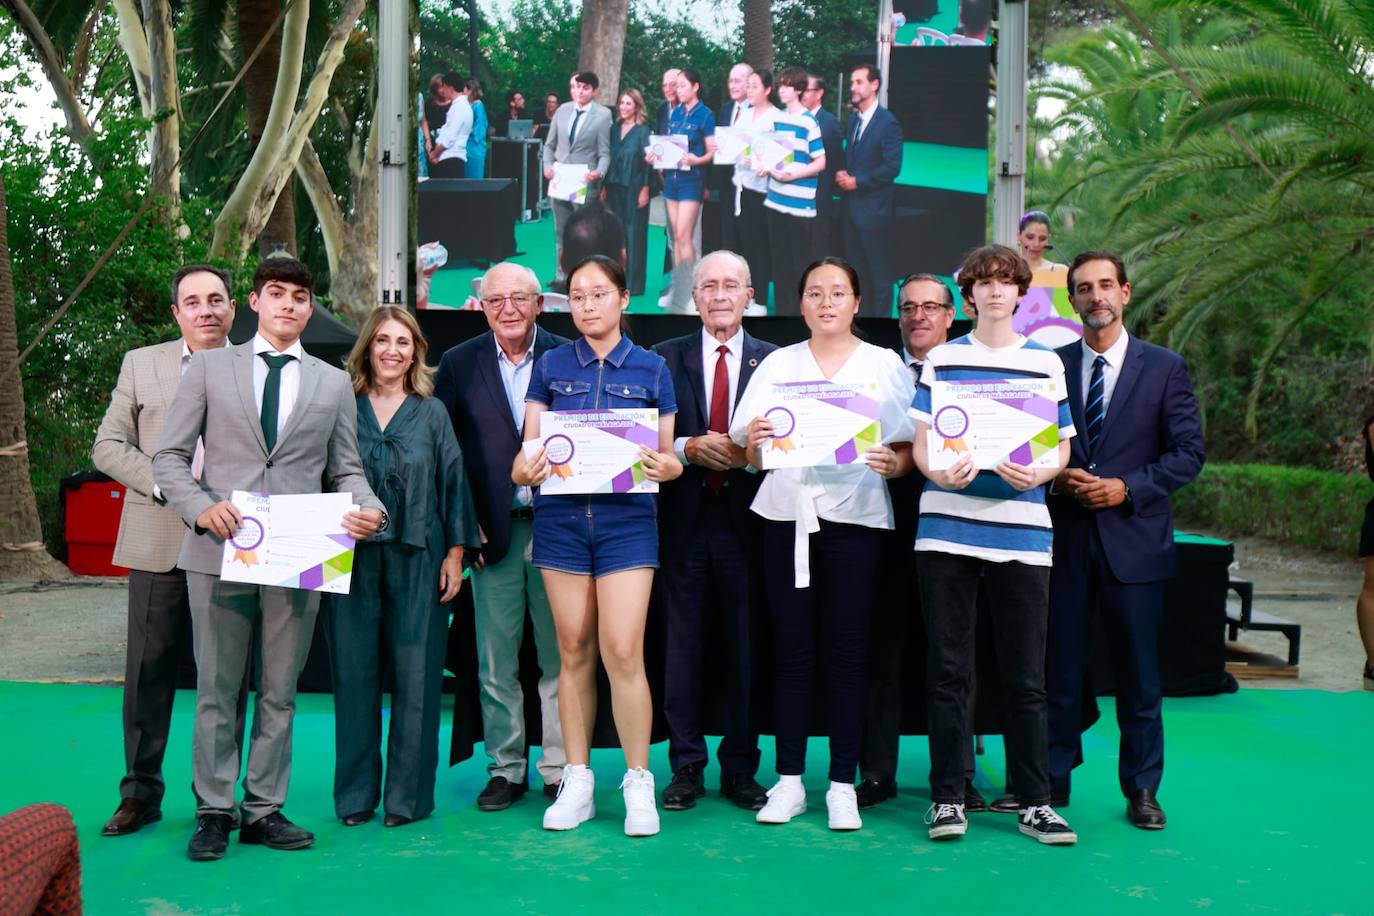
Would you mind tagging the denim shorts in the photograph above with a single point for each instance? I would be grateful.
(679, 185)
(595, 536)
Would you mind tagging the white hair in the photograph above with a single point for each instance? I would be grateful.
(525, 273)
(723, 253)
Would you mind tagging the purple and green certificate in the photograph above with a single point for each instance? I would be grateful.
(596, 451)
(994, 420)
(820, 423)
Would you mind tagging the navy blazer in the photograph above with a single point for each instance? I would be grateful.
(1151, 439)
(469, 385)
(874, 161)
(833, 138)
(680, 500)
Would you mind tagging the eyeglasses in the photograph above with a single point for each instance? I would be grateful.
(729, 287)
(929, 309)
(596, 297)
(519, 300)
(815, 297)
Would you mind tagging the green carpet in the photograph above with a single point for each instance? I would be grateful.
(1245, 835)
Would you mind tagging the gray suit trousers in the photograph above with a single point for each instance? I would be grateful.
(222, 618)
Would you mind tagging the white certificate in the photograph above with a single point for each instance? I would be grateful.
(995, 420)
(596, 451)
(772, 150)
(732, 145)
(821, 423)
(569, 182)
(292, 541)
(667, 150)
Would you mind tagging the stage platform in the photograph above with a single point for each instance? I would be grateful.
(1247, 834)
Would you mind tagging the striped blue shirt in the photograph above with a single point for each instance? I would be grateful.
(989, 519)
(797, 197)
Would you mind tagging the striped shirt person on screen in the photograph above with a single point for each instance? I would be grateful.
(795, 235)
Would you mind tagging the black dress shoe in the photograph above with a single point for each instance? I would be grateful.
(131, 816)
(551, 790)
(275, 832)
(687, 786)
(357, 818)
(974, 801)
(1007, 804)
(398, 820)
(211, 838)
(744, 790)
(1143, 811)
(499, 794)
(872, 791)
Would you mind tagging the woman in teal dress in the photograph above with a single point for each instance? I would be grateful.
(475, 166)
(626, 190)
(394, 616)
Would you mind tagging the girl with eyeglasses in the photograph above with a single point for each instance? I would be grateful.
(597, 553)
(823, 537)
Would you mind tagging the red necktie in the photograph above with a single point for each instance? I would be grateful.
(720, 411)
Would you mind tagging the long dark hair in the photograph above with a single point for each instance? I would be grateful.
(1368, 449)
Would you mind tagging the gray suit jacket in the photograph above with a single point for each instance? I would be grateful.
(591, 146)
(149, 535)
(317, 449)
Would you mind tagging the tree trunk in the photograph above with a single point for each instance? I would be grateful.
(255, 17)
(78, 128)
(603, 44)
(165, 140)
(350, 242)
(758, 33)
(21, 536)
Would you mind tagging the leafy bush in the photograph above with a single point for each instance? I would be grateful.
(1302, 506)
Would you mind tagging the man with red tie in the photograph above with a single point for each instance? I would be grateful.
(707, 537)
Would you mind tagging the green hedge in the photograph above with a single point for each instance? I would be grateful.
(1319, 509)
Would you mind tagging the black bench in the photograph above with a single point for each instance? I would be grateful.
(1250, 619)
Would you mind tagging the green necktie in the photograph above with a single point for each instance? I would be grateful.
(271, 397)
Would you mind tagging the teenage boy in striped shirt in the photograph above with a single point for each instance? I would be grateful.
(794, 232)
(988, 529)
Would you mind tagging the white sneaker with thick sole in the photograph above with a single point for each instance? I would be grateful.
(641, 814)
(843, 807)
(785, 801)
(574, 803)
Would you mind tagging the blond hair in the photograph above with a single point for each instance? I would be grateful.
(419, 377)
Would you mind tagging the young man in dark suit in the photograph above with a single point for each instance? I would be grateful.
(1113, 530)
(482, 382)
(873, 159)
(707, 539)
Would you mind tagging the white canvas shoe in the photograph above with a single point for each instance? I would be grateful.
(843, 807)
(641, 814)
(785, 801)
(574, 803)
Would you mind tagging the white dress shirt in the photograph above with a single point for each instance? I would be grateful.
(290, 378)
(733, 357)
(1111, 370)
(913, 366)
(515, 378)
(453, 136)
(864, 118)
(198, 459)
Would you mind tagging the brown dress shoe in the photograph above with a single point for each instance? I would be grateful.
(130, 817)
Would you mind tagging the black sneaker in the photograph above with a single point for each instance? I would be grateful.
(1049, 828)
(946, 821)
(687, 786)
(211, 838)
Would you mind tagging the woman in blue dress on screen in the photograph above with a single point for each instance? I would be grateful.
(685, 188)
(597, 553)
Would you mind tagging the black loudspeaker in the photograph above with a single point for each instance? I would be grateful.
(916, 10)
(936, 229)
(473, 218)
(940, 95)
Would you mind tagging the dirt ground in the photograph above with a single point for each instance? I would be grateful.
(75, 629)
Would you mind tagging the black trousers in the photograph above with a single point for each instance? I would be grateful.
(754, 244)
(793, 243)
(1083, 585)
(1018, 600)
(710, 569)
(829, 617)
(867, 251)
(623, 201)
(159, 634)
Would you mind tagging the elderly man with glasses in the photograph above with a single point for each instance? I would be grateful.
(483, 382)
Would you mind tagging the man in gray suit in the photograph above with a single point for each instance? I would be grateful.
(580, 134)
(274, 420)
(150, 536)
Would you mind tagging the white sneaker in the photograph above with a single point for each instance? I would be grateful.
(574, 803)
(641, 815)
(843, 807)
(785, 801)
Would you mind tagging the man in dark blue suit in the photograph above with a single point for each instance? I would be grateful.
(482, 382)
(708, 539)
(833, 139)
(1140, 439)
(873, 159)
(722, 188)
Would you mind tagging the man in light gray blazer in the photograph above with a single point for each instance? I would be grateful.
(150, 536)
(273, 420)
(580, 134)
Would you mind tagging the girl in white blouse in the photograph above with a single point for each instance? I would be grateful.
(822, 538)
